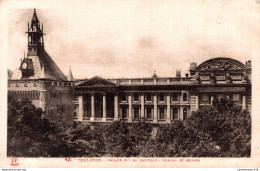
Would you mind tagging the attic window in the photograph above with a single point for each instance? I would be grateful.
(148, 97)
(136, 97)
(123, 98)
(161, 97)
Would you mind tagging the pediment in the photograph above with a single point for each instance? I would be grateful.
(221, 64)
(97, 81)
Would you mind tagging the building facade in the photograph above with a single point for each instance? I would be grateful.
(157, 100)
(40, 80)
(163, 100)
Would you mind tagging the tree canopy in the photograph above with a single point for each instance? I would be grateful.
(220, 130)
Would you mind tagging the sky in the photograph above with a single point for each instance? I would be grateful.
(133, 38)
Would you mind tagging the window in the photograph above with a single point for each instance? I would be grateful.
(175, 97)
(60, 108)
(136, 97)
(35, 84)
(185, 97)
(161, 113)
(149, 97)
(25, 84)
(185, 113)
(220, 96)
(136, 112)
(124, 112)
(17, 84)
(149, 112)
(205, 98)
(175, 113)
(236, 97)
(161, 97)
(123, 98)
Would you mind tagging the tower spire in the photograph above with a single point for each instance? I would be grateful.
(35, 37)
(70, 76)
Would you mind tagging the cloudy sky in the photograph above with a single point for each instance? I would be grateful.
(134, 38)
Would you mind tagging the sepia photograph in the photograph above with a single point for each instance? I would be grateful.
(159, 82)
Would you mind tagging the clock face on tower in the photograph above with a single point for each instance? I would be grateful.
(24, 65)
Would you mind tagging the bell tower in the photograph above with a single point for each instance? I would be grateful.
(35, 37)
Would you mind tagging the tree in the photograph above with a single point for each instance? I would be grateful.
(127, 140)
(221, 130)
(30, 134)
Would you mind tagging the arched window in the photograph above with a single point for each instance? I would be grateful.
(185, 97)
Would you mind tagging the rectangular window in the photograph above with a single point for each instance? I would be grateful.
(185, 97)
(149, 112)
(123, 98)
(161, 97)
(220, 96)
(124, 112)
(161, 113)
(185, 113)
(205, 98)
(175, 97)
(136, 112)
(148, 97)
(136, 97)
(236, 97)
(175, 113)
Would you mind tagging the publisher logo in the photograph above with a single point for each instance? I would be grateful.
(14, 161)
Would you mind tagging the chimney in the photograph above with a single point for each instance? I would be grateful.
(178, 73)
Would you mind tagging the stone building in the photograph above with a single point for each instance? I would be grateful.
(162, 100)
(40, 80)
(154, 99)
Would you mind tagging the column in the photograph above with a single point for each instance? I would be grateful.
(168, 112)
(197, 102)
(142, 106)
(244, 102)
(81, 108)
(116, 107)
(130, 108)
(92, 118)
(104, 108)
(211, 99)
(181, 112)
(155, 119)
(181, 97)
